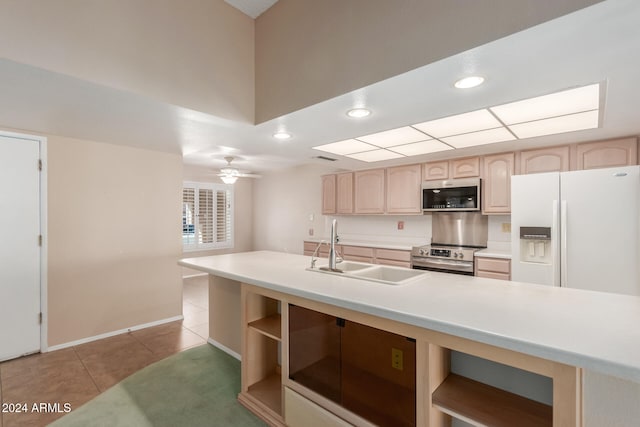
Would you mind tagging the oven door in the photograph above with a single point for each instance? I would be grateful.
(442, 265)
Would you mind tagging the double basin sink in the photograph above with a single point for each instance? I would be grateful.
(372, 272)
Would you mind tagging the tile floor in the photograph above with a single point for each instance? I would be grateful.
(77, 374)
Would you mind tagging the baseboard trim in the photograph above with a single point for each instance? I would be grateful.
(224, 348)
(114, 333)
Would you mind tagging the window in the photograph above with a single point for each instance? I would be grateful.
(207, 216)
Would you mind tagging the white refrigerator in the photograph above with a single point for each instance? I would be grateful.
(578, 229)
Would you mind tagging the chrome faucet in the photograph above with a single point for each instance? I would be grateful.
(332, 250)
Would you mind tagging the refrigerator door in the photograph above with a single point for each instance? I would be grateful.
(602, 229)
(534, 203)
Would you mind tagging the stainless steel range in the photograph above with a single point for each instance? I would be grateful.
(456, 236)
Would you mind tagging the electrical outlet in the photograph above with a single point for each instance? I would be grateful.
(400, 225)
(396, 359)
(506, 227)
(311, 232)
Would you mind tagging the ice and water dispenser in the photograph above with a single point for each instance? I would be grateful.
(535, 244)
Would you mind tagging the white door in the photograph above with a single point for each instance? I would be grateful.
(19, 247)
(602, 215)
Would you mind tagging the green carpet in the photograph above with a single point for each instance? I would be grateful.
(197, 387)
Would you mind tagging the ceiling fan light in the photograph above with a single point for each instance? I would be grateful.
(229, 179)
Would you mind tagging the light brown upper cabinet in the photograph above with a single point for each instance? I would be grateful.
(496, 187)
(369, 191)
(607, 154)
(403, 189)
(450, 169)
(434, 171)
(328, 194)
(552, 159)
(344, 187)
(465, 168)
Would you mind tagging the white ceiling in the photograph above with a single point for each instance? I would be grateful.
(253, 8)
(597, 44)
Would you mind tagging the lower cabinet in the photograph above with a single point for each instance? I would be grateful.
(367, 371)
(493, 268)
(306, 363)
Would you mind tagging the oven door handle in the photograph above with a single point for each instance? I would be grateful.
(442, 262)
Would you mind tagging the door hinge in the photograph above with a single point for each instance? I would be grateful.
(40, 164)
(40, 240)
(40, 318)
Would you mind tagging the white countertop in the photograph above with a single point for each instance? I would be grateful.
(593, 330)
(493, 253)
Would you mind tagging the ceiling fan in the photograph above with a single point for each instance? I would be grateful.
(230, 175)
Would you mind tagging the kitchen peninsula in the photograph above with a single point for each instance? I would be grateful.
(568, 335)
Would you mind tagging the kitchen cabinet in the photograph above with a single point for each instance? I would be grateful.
(404, 190)
(261, 376)
(434, 171)
(496, 186)
(493, 268)
(399, 258)
(328, 194)
(357, 253)
(607, 154)
(348, 363)
(344, 190)
(323, 250)
(552, 159)
(467, 167)
(369, 186)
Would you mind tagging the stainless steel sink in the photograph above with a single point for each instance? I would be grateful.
(376, 273)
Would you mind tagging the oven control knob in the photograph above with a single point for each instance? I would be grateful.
(421, 251)
(459, 254)
(455, 254)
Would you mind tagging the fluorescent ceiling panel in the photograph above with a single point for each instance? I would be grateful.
(375, 155)
(562, 124)
(348, 146)
(399, 136)
(570, 101)
(479, 138)
(423, 147)
(459, 124)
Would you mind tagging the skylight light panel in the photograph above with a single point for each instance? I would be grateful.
(479, 138)
(375, 155)
(562, 124)
(423, 147)
(348, 146)
(459, 124)
(570, 101)
(399, 136)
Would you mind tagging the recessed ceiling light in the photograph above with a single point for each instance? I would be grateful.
(358, 113)
(469, 82)
(282, 135)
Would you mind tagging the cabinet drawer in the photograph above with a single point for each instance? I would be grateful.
(405, 264)
(495, 265)
(357, 251)
(310, 246)
(368, 260)
(493, 275)
(393, 254)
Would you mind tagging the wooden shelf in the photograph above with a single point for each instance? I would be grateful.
(269, 392)
(269, 326)
(483, 405)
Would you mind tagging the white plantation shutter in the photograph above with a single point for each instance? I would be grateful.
(207, 216)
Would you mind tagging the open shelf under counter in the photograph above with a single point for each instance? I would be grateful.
(269, 326)
(484, 405)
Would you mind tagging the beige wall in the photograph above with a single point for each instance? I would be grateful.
(242, 215)
(113, 238)
(309, 51)
(197, 54)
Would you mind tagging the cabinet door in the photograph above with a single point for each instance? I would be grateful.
(329, 194)
(607, 154)
(435, 171)
(344, 198)
(496, 188)
(553, 159)
(404, 189)
(369, 191)
(465, 168)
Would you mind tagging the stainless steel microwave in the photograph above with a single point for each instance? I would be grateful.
(451, 195)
